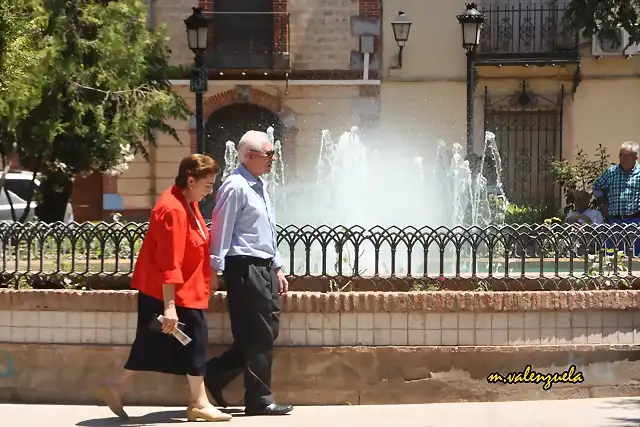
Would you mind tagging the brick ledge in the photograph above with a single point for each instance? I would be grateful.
(337, 350)
(345, 302)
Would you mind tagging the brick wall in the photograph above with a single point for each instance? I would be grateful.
(207, 8)
(281, 22)
(370, 7)
(342, 348)
(450, 319)
(87, 198)
(206, 5)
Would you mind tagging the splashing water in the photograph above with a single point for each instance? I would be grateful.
(275, 180)
(230, 159)
(356, 185)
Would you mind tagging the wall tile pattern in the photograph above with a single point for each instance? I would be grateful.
(350, 329)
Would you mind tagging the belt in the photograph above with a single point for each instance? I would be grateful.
(252, 260)
(635, 215)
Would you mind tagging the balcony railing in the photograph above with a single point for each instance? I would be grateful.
(526, 30)
(249, 41)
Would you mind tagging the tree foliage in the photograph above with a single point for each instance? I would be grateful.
(602, 17)
(102, 92)
(24, 49)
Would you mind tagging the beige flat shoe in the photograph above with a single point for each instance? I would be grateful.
(209, 413)
(112, 400)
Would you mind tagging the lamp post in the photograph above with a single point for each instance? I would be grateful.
(401, 26)
(197, 33)
(471, 21)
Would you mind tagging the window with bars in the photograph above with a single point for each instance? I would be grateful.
(246, 34)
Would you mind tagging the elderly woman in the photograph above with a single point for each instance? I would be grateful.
(172, 276)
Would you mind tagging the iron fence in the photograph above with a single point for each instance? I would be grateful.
(526, 29)
(540, 257)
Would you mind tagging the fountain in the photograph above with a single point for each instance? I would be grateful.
(230, 159)
(359, 186)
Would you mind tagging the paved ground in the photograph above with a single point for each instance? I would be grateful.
(567, 413)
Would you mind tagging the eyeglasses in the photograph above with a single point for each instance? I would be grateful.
(269, 153)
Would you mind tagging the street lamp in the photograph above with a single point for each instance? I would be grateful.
(401, 27)
(471, 22)
(197, 34)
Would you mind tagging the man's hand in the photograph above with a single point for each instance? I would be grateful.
(282, 282)
(213, 281)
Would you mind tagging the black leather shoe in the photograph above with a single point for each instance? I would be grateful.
(216, 393)
(273, 409)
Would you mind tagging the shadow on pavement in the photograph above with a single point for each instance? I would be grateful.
(626, 421)
(152, 418)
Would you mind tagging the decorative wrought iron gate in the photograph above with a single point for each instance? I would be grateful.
(528, 129)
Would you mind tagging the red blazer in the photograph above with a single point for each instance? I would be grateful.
(174, 252)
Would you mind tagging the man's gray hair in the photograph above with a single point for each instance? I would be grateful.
(251, 141)
(631, 146)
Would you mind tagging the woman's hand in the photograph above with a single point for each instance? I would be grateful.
(213, 281)
(170, 320)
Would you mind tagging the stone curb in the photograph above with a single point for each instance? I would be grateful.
(345, 302)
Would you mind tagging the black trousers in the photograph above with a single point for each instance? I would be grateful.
(253, 297)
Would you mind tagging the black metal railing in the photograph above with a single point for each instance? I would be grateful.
(526, 29)
(249, 41)
(339, 258)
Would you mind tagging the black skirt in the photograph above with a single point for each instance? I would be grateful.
(158, 352)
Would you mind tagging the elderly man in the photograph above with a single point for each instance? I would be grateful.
(618, 189)
(583, 214)
(243, 247)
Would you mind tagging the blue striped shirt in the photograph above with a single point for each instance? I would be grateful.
(622, 190)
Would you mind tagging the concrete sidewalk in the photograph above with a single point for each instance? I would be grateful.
(550, 413)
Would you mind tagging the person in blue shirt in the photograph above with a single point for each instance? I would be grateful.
(244, 249)
(618, 190)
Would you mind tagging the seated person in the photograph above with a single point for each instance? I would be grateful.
(583, 214)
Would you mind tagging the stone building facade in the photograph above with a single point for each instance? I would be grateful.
(543, 92)
(315, 83)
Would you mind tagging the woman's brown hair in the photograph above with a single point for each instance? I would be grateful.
(197, 166)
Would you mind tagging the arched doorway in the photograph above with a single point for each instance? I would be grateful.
(229, 123)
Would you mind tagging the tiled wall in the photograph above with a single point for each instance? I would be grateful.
(348, 329)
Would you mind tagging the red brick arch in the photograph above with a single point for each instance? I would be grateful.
(243, 94)
(232, 96)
